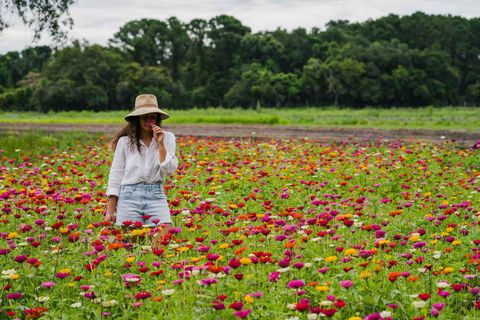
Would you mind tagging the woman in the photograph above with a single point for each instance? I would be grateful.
(144, 157)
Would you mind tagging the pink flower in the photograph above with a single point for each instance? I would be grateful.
(242, 313)
(48, 284)
(131, 279)
(346, 283)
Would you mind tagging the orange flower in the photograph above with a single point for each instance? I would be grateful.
(392, 276)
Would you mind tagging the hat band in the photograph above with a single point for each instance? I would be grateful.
(145, 105)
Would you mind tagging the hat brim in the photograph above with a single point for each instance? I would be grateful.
(146, 110)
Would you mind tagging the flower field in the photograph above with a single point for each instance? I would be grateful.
(264, 229)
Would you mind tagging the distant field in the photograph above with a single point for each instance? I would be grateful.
(467, 118)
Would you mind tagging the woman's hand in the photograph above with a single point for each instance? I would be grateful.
(158, 134)
(111, 208)
(109, 217)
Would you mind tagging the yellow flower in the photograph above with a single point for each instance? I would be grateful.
(331, 259)
(130, 259)
(139, 232)
(448, 270)
(433, 241)
(449, 229)
(66, 270)
(414, 238)
(107, 273)
(248, 299)
(354, 318)
(350, 251)
(182, 249)
(161, 282)
(384, 241)
(321, 288)
(12, 235)
(194, 260)
(14, 276)
(456, 242)
(245, 261)
(63, 230)
(71, 284)
(365, 274)
(224, 246)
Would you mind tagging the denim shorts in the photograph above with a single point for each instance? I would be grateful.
(143, 202)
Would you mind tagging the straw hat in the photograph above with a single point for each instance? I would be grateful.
(145, 104)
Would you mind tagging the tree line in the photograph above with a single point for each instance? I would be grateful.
(413, 60)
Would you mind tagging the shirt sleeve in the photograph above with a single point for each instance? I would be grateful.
(170, 164)
(117, 169)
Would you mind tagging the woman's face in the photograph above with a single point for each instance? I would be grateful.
(147, 120)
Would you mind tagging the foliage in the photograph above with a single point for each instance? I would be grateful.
(415, 60)
(51, 16)
(430, 118)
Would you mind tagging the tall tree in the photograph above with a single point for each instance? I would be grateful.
(46, 15)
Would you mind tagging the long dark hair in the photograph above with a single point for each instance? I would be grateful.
(132, 130)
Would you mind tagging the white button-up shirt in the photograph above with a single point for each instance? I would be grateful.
(130, 167)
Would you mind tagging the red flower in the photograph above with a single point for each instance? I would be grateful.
(237, 305)
(329, 312)
(143, 295)
(424, 296)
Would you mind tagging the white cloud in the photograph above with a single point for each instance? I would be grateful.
(97, 21)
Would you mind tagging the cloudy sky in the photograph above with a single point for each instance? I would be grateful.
(97, 20)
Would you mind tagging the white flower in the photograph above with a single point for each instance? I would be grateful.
(109, 303)
(419, 304)
(385, 314)
(8, 273)
(43, 298)
(97, 300)
(307, 265)
(168, 292)
(437, 254)
(291, 306)
(311, 316)
(326, 303)
(209, 200)
(76, 305)
(443, 284)
(282, 270)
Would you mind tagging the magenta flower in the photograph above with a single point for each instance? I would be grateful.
(443, 293)
(208, 281)
(237, 305)
(242, 313)
(274, 276)
(14, 295)
(346, 283)
(438, 306)
(48, 284)
(61, 275)
(21, 259)
(296, 284)
(234, 263)
(143, 295)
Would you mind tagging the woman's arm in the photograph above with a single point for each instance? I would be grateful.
(114, 181)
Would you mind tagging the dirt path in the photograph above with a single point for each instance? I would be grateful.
(269, 131)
